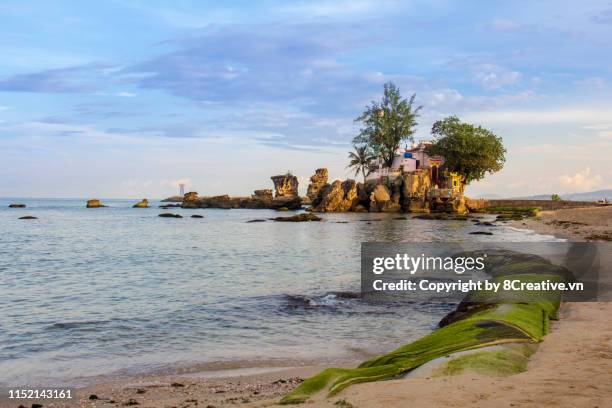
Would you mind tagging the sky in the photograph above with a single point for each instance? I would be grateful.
(126, 99)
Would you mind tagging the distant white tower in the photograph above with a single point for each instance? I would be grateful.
(181, 189)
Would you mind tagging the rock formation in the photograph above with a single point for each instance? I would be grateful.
(305, 217)
(317, 182)
(265, 194)
(340, 196)
(285, 186)
(381, 200)
(94, 204)
(142, 204)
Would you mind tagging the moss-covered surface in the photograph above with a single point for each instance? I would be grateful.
(503, 361)
(483, 319)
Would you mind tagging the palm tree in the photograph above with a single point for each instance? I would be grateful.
(361, 159)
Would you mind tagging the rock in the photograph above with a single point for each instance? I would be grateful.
(170, 215)
(285, 186)
(190, 197)
(197, 216)
(481, 233)
(93, 397)
(17, 206)
(282, 209)
(256, 220)
(340, 196)
(142, 204)
(317, 182)
(298, 218)
(28, 217)
(380, 200)
(166, 206)
(360, 208)
(265, 193)
(484, 224)
(94, 204)
(173, 199)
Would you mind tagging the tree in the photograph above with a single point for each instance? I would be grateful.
(361, 159)
(387, 123)
(468, 150)
(555, 197)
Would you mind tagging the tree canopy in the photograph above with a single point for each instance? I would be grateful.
(387, 123)
(470, 151)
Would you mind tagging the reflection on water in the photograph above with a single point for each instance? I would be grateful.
(118, 291)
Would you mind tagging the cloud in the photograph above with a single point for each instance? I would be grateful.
(543, 116)
(603, 17)
(77, 79)
(493, 77)
(582, 180)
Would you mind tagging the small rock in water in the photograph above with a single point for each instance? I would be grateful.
(142, 204)
(131, 401)
(299, 218)
(257, 220)
(170, 215)
(17, 206)
(93, 397)
(197, 216)
(36, 405)
(177, 384)
(481, 233)
(140, 391)
(28, 217)
(94, 204)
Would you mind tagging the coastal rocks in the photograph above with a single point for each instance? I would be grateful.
(17, 206)
(304, 217)
(317, 182)
(142, 204)
(285, 186)
(170, 215)
(190, 197)
(381, 200)
(28, 217)
(94, 204)
(173, 199)
(340, 196)
(264, 194)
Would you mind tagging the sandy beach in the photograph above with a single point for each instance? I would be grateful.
(572, 367)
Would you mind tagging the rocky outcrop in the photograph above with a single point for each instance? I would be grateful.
(285, 186)
(255, 202)
(317, 182)
(173, 199)
(190, 197)
(142, 204)
(264, 194)
(340, 196)
(94, 204)
(381, 200)
(17, 206)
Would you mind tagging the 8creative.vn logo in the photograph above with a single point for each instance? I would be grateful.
(412, 264)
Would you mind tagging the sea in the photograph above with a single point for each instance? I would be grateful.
(93, 295)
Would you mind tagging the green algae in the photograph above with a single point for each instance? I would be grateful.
(505, 361)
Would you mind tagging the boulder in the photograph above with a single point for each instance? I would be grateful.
(298, 218)
(142, 204)
(380, 200)
(285, 186)
(340, 196)
(28, 217)
(197, 216)
(17, 206)
(170, 215)
(317, 182)
(94, 204)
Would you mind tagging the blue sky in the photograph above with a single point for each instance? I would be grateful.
(126, 98)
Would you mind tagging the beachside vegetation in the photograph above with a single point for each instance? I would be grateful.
(387, 123)
(360, 160)
(470, 151)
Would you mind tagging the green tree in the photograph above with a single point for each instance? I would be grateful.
(555, 197)
(385, 124)
(361, 159)
(468, 150)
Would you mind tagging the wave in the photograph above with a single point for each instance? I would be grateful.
(329, 299)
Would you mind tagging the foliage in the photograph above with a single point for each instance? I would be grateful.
(555, 197)
(387, 123)
(361, 159)
(468, 150)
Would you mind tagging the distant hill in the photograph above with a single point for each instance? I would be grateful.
(588, 196)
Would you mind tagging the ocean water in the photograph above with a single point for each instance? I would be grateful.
(94, 294)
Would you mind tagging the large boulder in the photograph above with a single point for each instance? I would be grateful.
(142, 204)
(94, 204)
(380, 200)
(285, 185)
(317, 182)
(340, 196)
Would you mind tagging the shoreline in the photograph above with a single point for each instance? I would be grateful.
(264, 385)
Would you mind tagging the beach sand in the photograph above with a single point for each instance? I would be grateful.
(571, 368)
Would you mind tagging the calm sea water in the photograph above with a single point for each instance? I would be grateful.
(90, 294)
